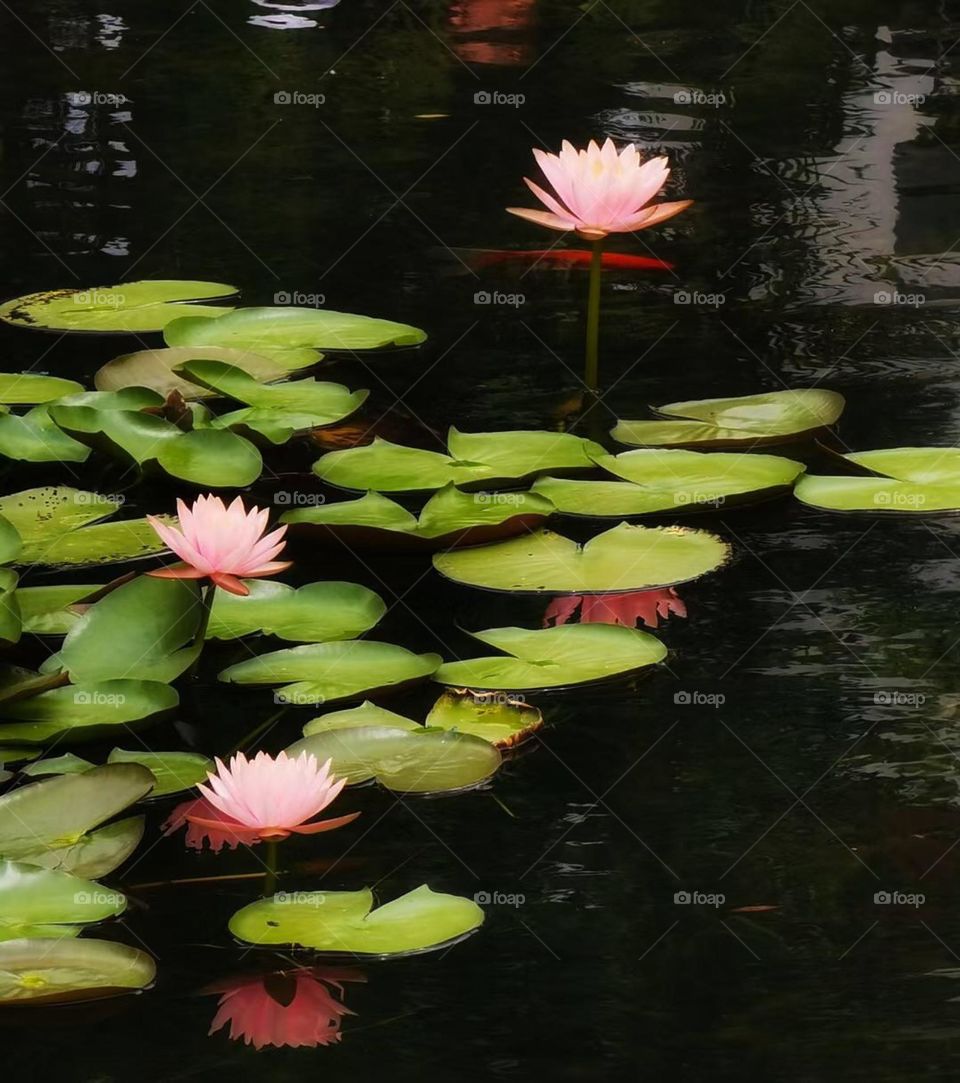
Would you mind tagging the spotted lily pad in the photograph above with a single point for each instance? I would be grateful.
(346, 922)
(771, 418)
(132, 307)
(34, 971)
(315, 613)
(474, 460)
(624, 558)
(554, 657)
(38, 902)
(328, 672)
(29, 388)
(173, 771)
(291, 328)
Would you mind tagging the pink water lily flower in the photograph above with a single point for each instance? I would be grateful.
(221, 543)
(600, 191)
(269, 798)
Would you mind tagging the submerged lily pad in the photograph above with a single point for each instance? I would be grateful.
(328, 672)
(449, 519)
(475, 460)
(129, 307)
(770, 418)
(291, 327)
(909, 481)
(554, 657)
(39, 902)
(53, 822)
(345, 921)
(315, 613)
(624, 558)
(29, 388)
(173, 771)
(38, 971)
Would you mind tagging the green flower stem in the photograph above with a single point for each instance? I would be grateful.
(591, 375)
(206, 608)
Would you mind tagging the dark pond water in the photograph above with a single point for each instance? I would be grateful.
(820, 766)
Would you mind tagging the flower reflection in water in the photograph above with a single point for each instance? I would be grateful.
(648, 607)
(296, 1008)
(490, 31)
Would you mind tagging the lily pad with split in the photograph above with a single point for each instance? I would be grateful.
(330, 672)
(38, 902)
(560, 657)
(35, 971)
(449, 519)
(131, 307)
(347, 922)
(623, 559)
(770, 418)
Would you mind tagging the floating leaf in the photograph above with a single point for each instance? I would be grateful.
(28, 388)
(624, 558)
(10, 616)
(345, 921)
(554, 657)
(37, 971)
(44, 610)
(291, 328)
(67, 764)
(211, 458)
(475, 459)
(327, 672)
(367, 714)
(497, 718)
(315, 613)
(770, 418)
(135, 307)
(404, 760)
(35, 901)
(450, 519)
(36, 438)
(11, 544)
(173, 771)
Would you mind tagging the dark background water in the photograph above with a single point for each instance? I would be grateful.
(821, 180)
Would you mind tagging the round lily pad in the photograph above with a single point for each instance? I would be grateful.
(623, 559)
(131, 307)
(35, 971)
(39, 902)
(554, 657)
(28, 388)
(211, 458)
(770, 418)
(346, 922)
(328, 672)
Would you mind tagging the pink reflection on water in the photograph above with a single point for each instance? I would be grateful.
(648, 607)
(489, 31)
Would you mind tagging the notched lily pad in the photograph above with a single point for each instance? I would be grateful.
(39, 972)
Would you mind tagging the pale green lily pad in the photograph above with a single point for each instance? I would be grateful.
(52, 822)
(449, 519)
(38, 902)
(18, 754)
(157, 369)
(11, 544)
(417, 761)
(38, 513)
(291, 328)
(623, 559)
(30, 388)
(85, 711)
(173, 771)
(499, 719)
(315, 613)
(36, 438)
(11, 626)
(35, 971)
(345, 921)
(328, 672)
(769, 418)
(102, 543)
(367, 714)
(475, 460)
(67, 764)
(211, 458)
(554, 657)
(131, 307)
(45, 610)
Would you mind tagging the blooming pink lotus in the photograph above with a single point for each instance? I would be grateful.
(599, 191)
(268, 799)
(296, 1009)
(647, 606)
(221, 543)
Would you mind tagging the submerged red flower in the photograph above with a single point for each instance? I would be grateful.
(646, 606)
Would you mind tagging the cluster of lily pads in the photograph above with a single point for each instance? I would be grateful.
(226, 388)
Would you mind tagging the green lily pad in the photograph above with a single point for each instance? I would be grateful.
(37, 902)
(11, 626)
(53, 822)
(291, 328)
(85, 711)
(131, 307)
(315, 613)
(623, 559)
(141, 631)
(173, 771)
(503, 721)
(11, 544)
(910, 481)
(345, 921)
(211, 458)
(157, 369)
(554, 657)
(367, 714)
(36, 438)
(35, 971)
(29, 388)
(475, 460)
(67, 764)
(770, 418)
(417, 761)
(328, 672)
(102, 543)
(449, 519)
(45, 610)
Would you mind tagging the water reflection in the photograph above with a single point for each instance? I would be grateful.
(647, 607)
(289, 16)
(490, 31)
